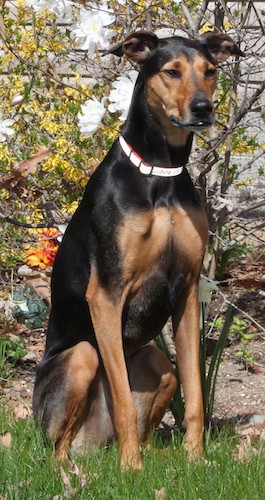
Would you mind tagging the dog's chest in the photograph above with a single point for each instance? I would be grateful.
(173, 238)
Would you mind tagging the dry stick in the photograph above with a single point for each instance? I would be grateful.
(242, 312)
(208, 335)
(28, 224)
(191, 23)
(244, 108)
(223, 187)
(232, 20)
(194, 25)
(249, 208)
(243, 236)
(260, 21)
(200, 15)
(250, 163)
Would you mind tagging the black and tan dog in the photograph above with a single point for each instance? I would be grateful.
(130, 259)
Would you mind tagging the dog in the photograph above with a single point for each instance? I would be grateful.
(131, 258)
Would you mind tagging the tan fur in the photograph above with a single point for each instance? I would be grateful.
(172, 96)
(142, 238)
(108, 334)
(187, 336)
(80, 363)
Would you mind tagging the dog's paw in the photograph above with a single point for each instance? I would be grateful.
(131, 462)
(62, 455)
(194, 447)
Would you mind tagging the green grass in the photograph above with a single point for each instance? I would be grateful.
(28, 471)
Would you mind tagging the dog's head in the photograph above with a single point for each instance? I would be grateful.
(180, 75)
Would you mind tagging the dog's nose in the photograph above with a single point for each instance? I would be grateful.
(201, 108)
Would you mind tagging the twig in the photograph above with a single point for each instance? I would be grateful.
(200, 14)
(247, 209)
(243, 236)
(191, 23)
(242, 312)
(30, 225)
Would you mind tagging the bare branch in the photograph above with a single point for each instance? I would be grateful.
(191, 23)
(200, 15)
(30, 225)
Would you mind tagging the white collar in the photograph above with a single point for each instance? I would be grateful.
(145, 168)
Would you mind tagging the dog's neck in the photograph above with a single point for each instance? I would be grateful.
(146, 135)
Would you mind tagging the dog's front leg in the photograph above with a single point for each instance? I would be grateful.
(106, 316)
(187, 339)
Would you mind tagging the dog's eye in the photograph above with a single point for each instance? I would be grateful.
(210, 73)
(173, 73)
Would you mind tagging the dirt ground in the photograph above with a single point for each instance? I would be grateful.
(238, 390)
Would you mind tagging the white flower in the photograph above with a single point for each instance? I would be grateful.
(90, 30)
(5, 129)
(92, 112)
(17, 99)
(61, 8)
(106, 14)
(206, 287)
(121, 94)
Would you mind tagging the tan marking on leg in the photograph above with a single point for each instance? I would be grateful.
(81, 368)
(187, 346)
(193, 231)
(165, 392)
(106, 319)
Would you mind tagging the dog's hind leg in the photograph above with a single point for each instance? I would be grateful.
(153, 385)
(61, 395)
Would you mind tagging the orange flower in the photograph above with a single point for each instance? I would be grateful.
(44, 254)
(50, 232)
(36, 257)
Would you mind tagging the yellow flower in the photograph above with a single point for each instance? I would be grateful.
(70, 208)
(243, 183)
(227, 25)
(6, 155)
(62, 145)
(55, 45)
(206, 27)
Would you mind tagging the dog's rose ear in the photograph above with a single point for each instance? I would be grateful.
(137, 46)
(220, 45)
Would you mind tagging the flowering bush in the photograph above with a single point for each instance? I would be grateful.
(57, 91)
